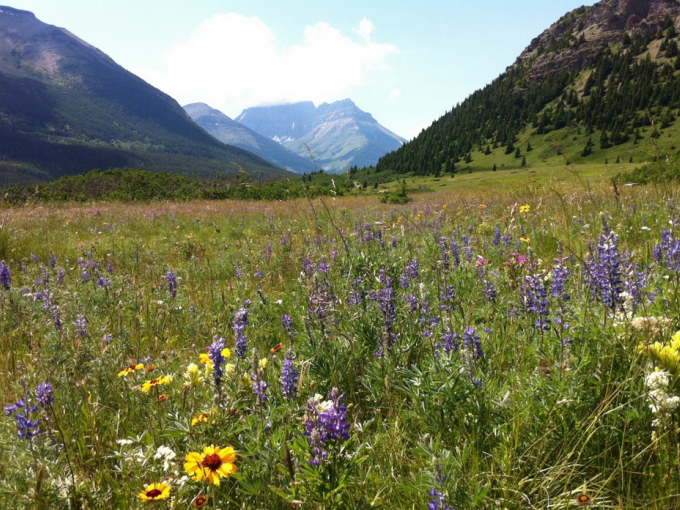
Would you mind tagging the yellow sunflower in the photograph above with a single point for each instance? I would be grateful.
(214, 463)
(130, 370)
(155, 492)
(166, 379)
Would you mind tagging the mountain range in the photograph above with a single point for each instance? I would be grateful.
(234, 133)
(66, 108)
(338, 135)
(600, 83)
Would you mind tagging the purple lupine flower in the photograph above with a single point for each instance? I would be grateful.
(85, 276)
(393, 243)
(534, 299)
(289, 376)
(560, 274)
(412, 302)
(321, 303)
(259, 384)
(239, 271)
(44, 394)
(448, 299)
(668, 250)
(172, 283)
(411, 272)
(324, 267)
(60, 276)
(215, 354)
(603, 271)
(26, 427)
(496, 236)
(53, 260)
(287, 324)
(109, 268)
(55, 313)
(239, 325)
(325, 421)
(472, 343)
(437, 502)
(103, 282)
(489, 292)
(5, 276)
(357, 294)
(81, 325)
(34, 258)
(450, 343)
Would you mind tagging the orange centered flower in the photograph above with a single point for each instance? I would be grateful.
(155, 492)
(584, 500)
(199, 502)
(214, 463)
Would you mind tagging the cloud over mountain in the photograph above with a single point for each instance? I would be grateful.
(232, 61)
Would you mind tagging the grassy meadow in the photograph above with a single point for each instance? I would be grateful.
(493, 344)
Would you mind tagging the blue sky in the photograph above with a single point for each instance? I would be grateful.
(405, 62)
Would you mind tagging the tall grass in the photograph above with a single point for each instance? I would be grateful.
(509, 415)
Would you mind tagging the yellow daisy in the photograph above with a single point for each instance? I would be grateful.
(214, 463)
(130, 370)
(166, 379)
(155, 492)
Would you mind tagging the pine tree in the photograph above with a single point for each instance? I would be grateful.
(604, 140)
(524, 161)
(529, 147)
(487, 151)
(588, 149)
(494, 167)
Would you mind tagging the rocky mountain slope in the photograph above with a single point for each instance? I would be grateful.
(339, 135)
(66, 107)
(234, 133)
(602, 77)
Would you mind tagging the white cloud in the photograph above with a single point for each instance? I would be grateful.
(366, 28)
(395, 93)
(232, 62)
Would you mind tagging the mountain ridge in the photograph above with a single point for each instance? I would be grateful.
(339, 135)
(62, 96)
(234, 133)
(604, 73)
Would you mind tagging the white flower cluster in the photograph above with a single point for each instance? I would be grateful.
(166, 455)
(662, 402)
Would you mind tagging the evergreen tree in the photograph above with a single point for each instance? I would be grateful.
(524, 161)
(494, 167)
(529, 147)
(588, 149)
(518, 153)
(487, 151)
(604, 140)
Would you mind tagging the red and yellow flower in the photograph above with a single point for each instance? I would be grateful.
(211, 465)
(155, 492)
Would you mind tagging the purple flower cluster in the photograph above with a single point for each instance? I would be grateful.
(668, 250)
(23, 411)
(287, 324)
(603, 271)
(81, 325)
(472, 344)
(5, 276)
(239, 325)
(534, 299)
(172, 283)
(325, 421)
(560, 275)
(411, 272)
(289, 376)
(437, 502)
(259, 384)
(218, 359)
(489, 292)
(53, 260)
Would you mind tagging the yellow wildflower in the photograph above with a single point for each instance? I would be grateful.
(159, 381)
(130, 370)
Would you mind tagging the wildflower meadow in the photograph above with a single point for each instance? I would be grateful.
(471, 350)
